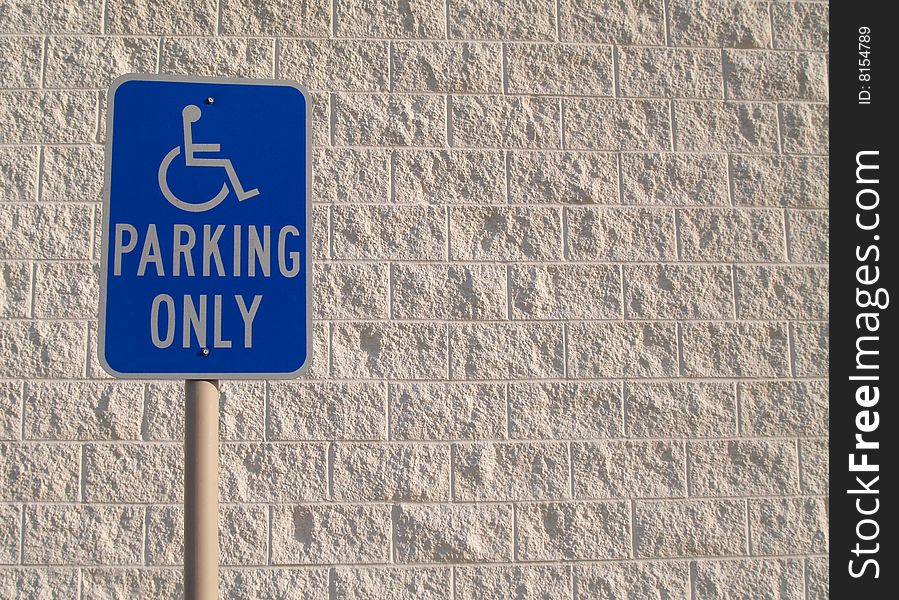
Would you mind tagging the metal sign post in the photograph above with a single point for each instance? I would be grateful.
(206, 248)
(201, 489)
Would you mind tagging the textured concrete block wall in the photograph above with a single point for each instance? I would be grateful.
(570, 317)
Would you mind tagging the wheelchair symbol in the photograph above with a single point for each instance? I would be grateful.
(191, 114)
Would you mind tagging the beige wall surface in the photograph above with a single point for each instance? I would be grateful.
(569, 306)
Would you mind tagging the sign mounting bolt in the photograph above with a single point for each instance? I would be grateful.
(210, 100)
(204, 351)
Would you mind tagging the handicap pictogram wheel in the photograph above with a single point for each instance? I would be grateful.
(177, 202)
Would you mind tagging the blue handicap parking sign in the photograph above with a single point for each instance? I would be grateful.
(206, 229)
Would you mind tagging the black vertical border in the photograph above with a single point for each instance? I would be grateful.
(856, 127)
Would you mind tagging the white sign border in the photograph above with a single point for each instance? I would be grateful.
(104, 247)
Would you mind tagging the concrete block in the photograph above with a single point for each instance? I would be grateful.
(243, 531)
(712, 126)
(335, 65)
(610, 349)
(506, 351)
(685, 409)
(754, 75)
(218, 57)
(801, 25)
(573, 531)
(94, 370)
(566, 177)
(813, 466)
(349, 291)
(787, 181)
(39, 472)
(817, 578)
(788, 526)
(25, 234)
(787, 408)
(321, 232)
(759, 578)
(666, 291)
(110, 583)
(505, 233)
(626, 469)
(96, 249)
(350, 175)
(327, 411)
(66, 290)
(490, 19)
(72, 174)
(565, 410)
(17, 583)
(243, 535)
(620, 234)
(18, 167)
(626, 22)
(15, 289)
(765, 292)
(751, 235)
(735, 350)
(804, 128)
(83, 535)
(743, 467)
(398, 583)
(42, 349)
(452, 533)
(392, 233)
(455, 292)
(449, 177)
(292, 18)
(10, 410)
(99, 130)
(505, 121)
(321, 351)
(808, 236)
(328, 534)
(79, 16)
(728, 23)
(394, 19)
(511, 471)
(20, 61)
(94, 62)
(548, 582)
(158, 17)
(94, 410)
(447, 67)
(674, 179)
(675, 528)
(624, 124)
(389, 120)
(810, 347)
(655, 72)
(276, 584)
(395, 473)
(637, 579)
(438, 411)
(322, 124)
(273, 472)
(559, 69)
(241, 411)
(375, 350)
(133, 473)
(565, 292)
